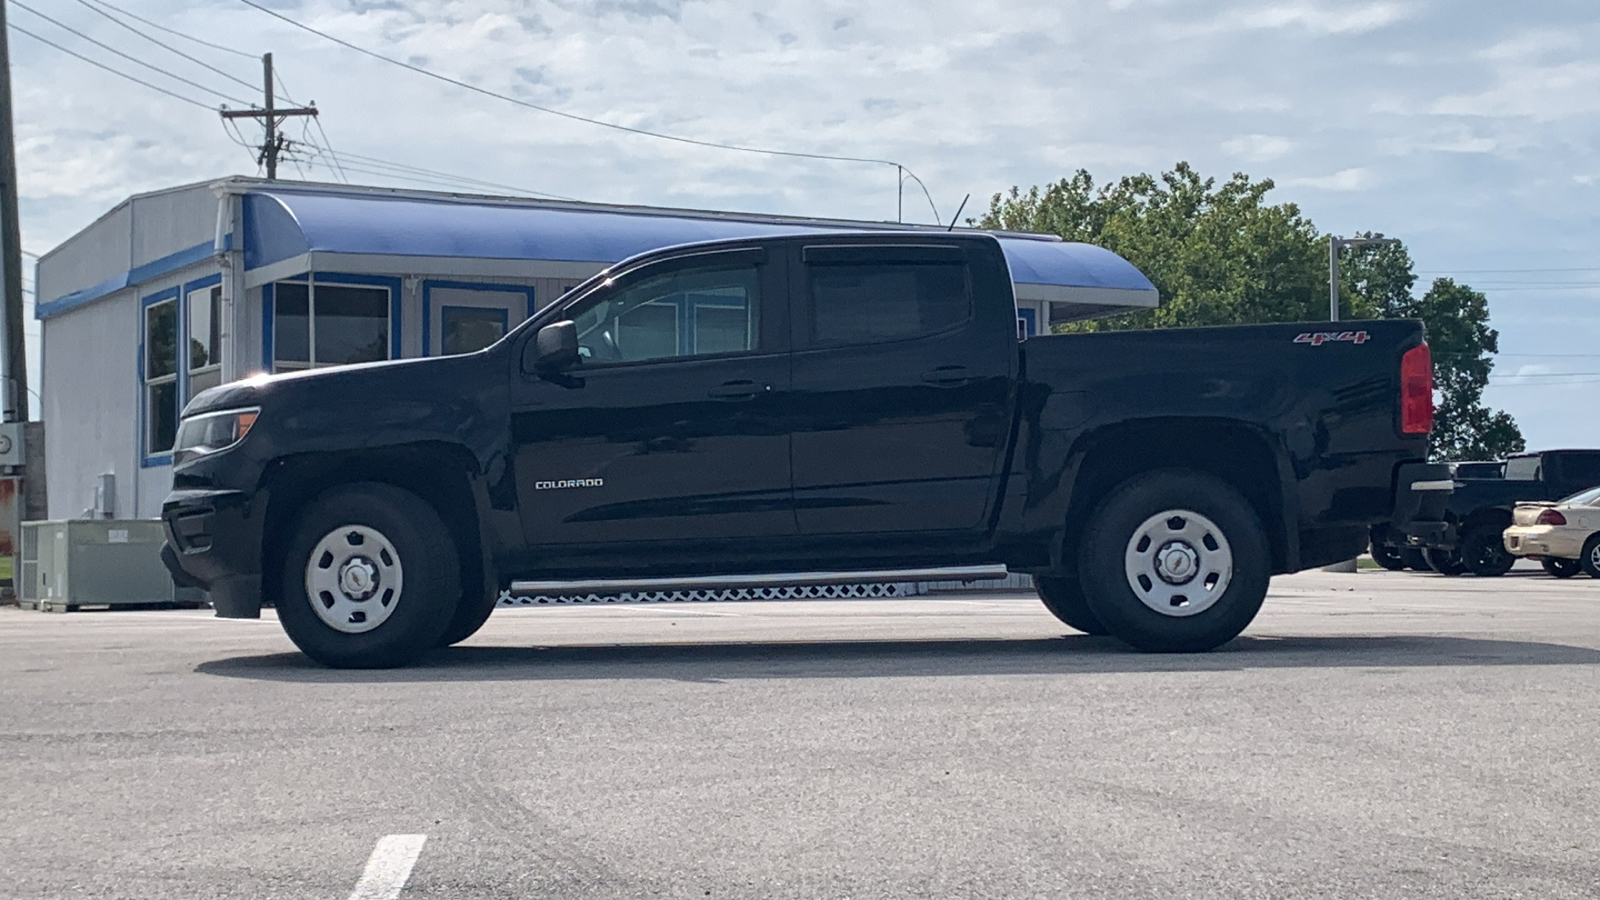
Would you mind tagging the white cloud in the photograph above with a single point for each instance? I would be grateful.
(1258, 147)
(1353, 179)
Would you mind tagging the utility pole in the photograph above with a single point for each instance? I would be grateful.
(16, 365)
(271, 117)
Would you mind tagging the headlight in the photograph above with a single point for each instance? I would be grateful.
(210, 432)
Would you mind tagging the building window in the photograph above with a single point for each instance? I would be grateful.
(342, 324)
(468, 329)
(160, 376)
(205, 338)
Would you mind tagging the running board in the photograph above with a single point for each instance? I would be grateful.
(773, 579)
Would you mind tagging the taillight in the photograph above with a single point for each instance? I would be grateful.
(1416, 391)
(1550, 517)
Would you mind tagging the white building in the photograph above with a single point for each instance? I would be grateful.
(174, 291)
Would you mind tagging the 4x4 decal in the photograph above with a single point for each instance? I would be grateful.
(1318, 338)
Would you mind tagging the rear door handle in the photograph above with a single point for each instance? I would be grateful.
(743, 389)
(947, 376)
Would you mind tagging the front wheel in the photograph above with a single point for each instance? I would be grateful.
(1484, 552)
(1064, 598)
(1175, 561)
(370, 578)
(1560, 568)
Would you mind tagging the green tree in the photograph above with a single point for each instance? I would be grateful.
(1220, 253)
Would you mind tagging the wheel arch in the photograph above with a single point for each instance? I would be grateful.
(446, 476)
(1240, 454)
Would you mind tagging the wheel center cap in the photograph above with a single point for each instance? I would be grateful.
(1177, 563)
(358, 578)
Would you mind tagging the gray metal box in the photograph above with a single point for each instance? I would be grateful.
(93, 562)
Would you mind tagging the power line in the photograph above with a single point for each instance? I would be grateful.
(101, 65)
(371, 165)
(174, 31)
(716, 145)
(132, 59)
(1502, 271)
(199, 62)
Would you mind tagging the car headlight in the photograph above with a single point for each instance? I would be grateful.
(213, 431)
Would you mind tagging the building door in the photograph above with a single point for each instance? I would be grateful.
(465, 318)
(671, 428)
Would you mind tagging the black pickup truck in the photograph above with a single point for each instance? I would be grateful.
(1467, 538)
(845, 403)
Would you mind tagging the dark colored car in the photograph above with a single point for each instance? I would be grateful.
(1389, 547)
(848, 403)
(1468, 538)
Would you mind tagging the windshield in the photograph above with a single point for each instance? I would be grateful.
(1590, 497)
(1522, 468)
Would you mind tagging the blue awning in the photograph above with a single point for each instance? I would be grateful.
(283, 226)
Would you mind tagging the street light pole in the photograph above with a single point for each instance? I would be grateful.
(1335, 243)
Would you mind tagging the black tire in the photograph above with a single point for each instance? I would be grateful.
(1388, 556)
(1064, 598)
(470, 615)
(420, 555)
(1484, 552)
(1590, 560)
(1416, 561)
(1556, 567)
(1202, 509)
(1445, 562)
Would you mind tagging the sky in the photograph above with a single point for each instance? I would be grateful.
(1468, 128)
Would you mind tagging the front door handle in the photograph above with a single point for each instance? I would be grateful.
(742, 389)
(947, 376)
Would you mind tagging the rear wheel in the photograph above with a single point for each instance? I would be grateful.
(370, 578)
(1561, 568)
(1590, 560)
(1445, 562)
(1388, 556)
(1174, 561)
(1484, 552)
(1064, 598)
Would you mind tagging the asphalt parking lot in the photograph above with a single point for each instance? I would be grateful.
(1372, 735)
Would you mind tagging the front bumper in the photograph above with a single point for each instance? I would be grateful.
(1543, 540)
(214, 542)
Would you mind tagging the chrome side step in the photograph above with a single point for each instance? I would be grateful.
(771, 579)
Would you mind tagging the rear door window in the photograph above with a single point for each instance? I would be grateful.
(873, 294)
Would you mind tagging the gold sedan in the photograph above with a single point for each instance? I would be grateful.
(1564, 536)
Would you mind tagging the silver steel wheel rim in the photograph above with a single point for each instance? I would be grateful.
(1178, 563)
(354, 579)
(1594, 556)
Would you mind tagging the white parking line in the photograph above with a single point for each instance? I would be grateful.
(389, 867)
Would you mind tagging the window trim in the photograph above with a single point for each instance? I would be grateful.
(333, 279)
(184, 392)
(427, 303)
(148, 460)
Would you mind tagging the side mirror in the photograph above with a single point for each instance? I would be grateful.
(554, 348)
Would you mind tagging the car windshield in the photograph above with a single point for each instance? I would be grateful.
(1590, 497)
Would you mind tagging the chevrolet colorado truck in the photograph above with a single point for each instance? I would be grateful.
(847, 403)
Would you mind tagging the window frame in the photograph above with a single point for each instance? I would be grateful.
(147, 458)
(269, 314)
(771, 332)
(185, 389)
(814, 257)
